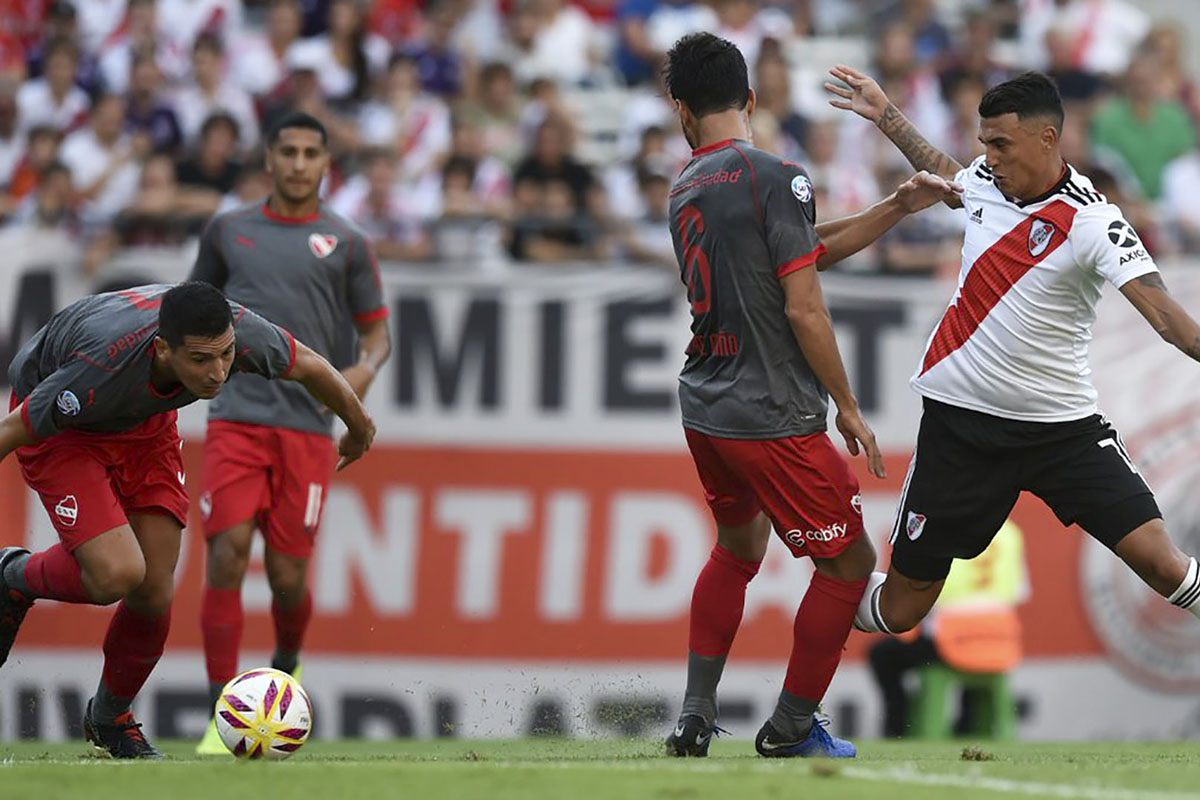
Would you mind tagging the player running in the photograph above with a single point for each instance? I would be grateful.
(267, 453)
(1008, 402)
(92, 421)
(754, 393)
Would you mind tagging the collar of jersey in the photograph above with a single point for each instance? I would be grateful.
(708, 148)
(1046, 195)
(275, 215)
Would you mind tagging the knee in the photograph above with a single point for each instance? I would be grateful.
(154, 596)
(111, 581)
(901, 620)
(288, 582)
(226, 562)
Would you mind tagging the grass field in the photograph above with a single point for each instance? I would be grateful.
(599, 770)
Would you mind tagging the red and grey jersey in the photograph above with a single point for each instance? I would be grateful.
(1014, 341)
(741, 219)
(309, 274)
(89, 367)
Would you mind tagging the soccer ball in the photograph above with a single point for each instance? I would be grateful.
(263, 713)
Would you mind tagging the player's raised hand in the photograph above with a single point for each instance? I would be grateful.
(856, 432)
(864, 97)
(354, 444)
(924, 189)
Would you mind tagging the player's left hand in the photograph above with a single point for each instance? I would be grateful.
(924, 189)
(354, 444)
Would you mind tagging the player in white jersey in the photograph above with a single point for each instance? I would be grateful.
(1009, 404)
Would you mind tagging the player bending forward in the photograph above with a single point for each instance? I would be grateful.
(754, 393)
(92, 422)
(267, 455)
(1008, 402)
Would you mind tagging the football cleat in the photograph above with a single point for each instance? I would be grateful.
(819, 743)
(691, 737)
(13, 604)
(122, 738)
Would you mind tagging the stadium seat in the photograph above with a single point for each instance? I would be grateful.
(995, 714)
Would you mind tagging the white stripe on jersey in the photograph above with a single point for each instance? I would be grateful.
(1014, 341)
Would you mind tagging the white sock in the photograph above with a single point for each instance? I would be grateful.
(1188, 593)
(868, 617)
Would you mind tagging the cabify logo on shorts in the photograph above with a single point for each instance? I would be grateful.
(827, 534)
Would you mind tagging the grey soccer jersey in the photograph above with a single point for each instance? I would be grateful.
(741, 219)
(89, 367)
(307, 274)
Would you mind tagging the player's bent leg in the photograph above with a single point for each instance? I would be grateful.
(895, 603)
(822, 625)
(716, 612)
(221, 616)
(291, 606)
(1150, 552)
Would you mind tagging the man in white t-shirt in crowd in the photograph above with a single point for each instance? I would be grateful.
(54, 99)
(213, 92)
(1009, 404)
(104, 161)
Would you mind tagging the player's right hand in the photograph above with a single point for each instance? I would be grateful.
(354, 444)
(856, 432)
(864, 97)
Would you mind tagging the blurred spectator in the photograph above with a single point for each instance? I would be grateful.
(97, 20)
(773, 84)
(931, 39)
(139, 34)
(395, 20)
(62, 22)
(213, 92)
(914, 88)
(1180, 204)
(407, 120)
(496, 113)
(159, 214)
(345, 58)
(438, 64)
(1135, 208)
(551, 160)
(181, 22)
(40, 150)
(103, 161)
(213, 171)
(748, 23)
(253, 185)
(259, 58)
(848, 181)
(621, 180)
(1166, 41)
(920, 244)
(377, 204)
(21, 25)
(1099, 34)
(962, 139)
(973, 57)
(316, 17)
(550, 39)
(54, 99)
(550, 228)
(1145, 129)
(467, 230)
(647, 239)
(1075, 84)
(636, 57)
(49, 206)
(147, 109)
(671, 19)
(12, 143)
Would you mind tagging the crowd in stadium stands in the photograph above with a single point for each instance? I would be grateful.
(473, 132)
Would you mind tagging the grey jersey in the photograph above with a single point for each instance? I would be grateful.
(89, 367)
(311, 275)
(741, 219)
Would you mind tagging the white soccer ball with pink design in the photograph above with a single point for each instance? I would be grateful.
(263, 713)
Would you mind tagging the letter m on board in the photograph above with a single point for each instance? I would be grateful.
(426, 351)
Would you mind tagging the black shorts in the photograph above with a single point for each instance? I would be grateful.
(968, 469)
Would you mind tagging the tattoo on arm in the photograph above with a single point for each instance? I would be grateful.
(1153, 280)
(919, 152)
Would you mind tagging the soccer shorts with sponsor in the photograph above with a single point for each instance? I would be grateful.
(969, 468)
(802, 483)
(276, 477)
(91, 482)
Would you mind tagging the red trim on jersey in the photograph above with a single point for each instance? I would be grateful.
(991, 276)
(25, 418)
(275, 215)
(154, 391)
(292, 355)
(806, 260)
(708, 148)
(371, 316)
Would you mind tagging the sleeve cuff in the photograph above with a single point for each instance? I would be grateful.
(371, 316)
(806, 260)
(291, 353)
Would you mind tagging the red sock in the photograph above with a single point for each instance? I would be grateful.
(291, 623)
(55, 575)
(133, 645)
(823, 622)
(717, 602)
(221, 624)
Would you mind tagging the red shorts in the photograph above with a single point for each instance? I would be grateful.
(275, 476)
(90, 482)
(802, 483)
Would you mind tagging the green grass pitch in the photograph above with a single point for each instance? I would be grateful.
(602, 769)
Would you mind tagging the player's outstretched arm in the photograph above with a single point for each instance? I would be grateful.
(374, 347)
(809, 318)
(13, 433)
(846, 236)
(1149, 295)
(328, 386)
(865, 98)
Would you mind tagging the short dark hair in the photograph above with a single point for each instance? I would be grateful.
(216, 120)
(296, 119)
(194, 308)
(208, 40)
(707, 74)
(1030, 94)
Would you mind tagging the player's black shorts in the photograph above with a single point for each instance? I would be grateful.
(969, 468)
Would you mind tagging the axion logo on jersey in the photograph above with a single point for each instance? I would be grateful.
(67, 511)
(322, 244)
(1039, 237)
(68, 403)
(1121, 234)
(915, 525)
(802, 188)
